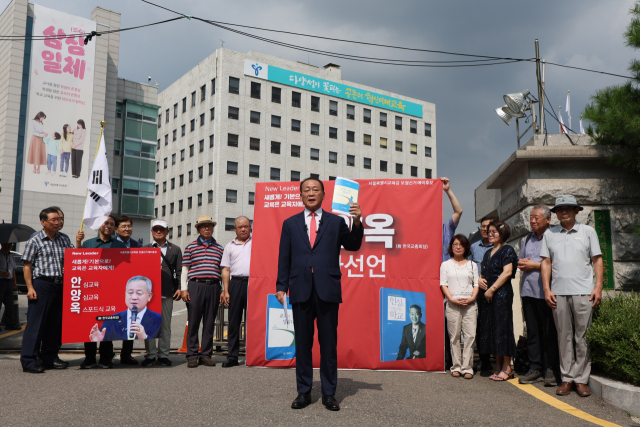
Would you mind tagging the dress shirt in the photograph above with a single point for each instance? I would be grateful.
(127, 243)
(138, 319)
(307, 220)
(570, 252)
(477, 252)
(237, 257)
(7, 265)
(531, 280)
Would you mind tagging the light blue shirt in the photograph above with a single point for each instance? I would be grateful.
(532, 280)
(448, 231)
(127, 243)
(478, 250)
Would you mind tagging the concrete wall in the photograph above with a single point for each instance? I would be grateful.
(538, 173)
(225, 63)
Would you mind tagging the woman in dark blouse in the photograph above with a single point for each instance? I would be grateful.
(496, 319)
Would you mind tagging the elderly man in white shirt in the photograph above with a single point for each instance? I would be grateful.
(235, 263)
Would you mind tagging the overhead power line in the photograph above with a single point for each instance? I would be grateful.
(42, 37)
(506, 60)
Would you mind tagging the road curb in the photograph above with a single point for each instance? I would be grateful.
(616, 393)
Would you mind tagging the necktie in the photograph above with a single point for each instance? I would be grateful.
(313, 230)
(415, 334)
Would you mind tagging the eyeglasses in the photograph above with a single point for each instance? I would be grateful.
(126, 227)
(493, 232)
(54, 220)
(564, 209)
(158, 230)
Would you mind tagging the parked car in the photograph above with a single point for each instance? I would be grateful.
(22, 285)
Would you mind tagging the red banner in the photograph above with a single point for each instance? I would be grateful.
(389, 287)
(104, 288)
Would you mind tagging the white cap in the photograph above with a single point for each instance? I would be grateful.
(160, 223)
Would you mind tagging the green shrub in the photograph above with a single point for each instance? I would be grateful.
(614, 337)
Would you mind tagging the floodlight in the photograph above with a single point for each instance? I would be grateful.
(516, 101)
(504, 116)
(510, 112)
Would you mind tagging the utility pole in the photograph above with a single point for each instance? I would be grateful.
(540, 84)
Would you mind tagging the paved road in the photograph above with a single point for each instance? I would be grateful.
(162, 396)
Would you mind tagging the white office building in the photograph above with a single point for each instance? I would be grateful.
(237, 119)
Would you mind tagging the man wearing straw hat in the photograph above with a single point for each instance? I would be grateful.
(201, 289)
(570, 253)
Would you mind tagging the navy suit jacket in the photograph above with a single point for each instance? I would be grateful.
(117, 329)
(297, 258)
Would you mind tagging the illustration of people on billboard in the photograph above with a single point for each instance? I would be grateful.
(65, 149)
(77, 148)
(137, 321)
(413, 336)
(53, 147)
(37, 155)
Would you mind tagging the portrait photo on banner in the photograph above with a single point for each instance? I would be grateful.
(111, 295)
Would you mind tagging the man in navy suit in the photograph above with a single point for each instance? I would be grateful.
(309, 268)
(414, 336)
(146, 325)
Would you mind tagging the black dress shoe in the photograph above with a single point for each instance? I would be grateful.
(330, 402)
(147, 362)
(128, 360)
(13, 328)
(89, 364)
(35, 369)
(164, 361)
(230, 363)
(55, 365)
(58, 360)
(302, 401)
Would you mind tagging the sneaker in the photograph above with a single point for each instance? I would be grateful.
(550, 378)
(530, 377)
(164, 361)
(107, 364)
(89, 364)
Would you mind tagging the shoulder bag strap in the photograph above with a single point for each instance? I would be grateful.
(168, 263)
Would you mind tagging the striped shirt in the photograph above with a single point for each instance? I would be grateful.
(203, 259)
(46, 255)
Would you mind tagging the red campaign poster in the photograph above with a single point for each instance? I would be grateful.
(390, 284)
(107, 290)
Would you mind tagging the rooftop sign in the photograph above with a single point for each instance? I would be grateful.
(331, 88)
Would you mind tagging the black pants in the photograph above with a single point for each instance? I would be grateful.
(6, 298)
(106, 351)
(44, 324)
(483, 306)
(203, 307)
(448, 362)
(76, 161)
(326, 316)
(127, 348)
(539, 320)
(237, 303)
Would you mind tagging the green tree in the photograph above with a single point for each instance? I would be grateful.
(614, 114)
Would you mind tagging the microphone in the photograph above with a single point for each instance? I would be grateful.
(320, 223)
(305, 228)
(134, 317)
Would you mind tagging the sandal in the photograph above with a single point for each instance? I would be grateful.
(495, 375)
(510, 375)
(468, 376)
(455, 374)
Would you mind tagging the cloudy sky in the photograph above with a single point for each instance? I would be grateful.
(472, 141)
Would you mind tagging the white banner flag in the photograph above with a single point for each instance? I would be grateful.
(581, 127)
(99, 205)
(563, 128)
(567, 109)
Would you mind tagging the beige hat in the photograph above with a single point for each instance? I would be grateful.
(205, 219)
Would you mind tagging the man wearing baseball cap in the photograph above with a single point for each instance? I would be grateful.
(171, 264)
(201, 289)
(570, 253)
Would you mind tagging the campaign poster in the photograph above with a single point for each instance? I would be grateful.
(59, 104)
(111, 295)
(400, 257)
(402, 327)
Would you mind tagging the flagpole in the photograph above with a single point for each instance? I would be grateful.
(560, 115)
(102, 124)
(569, 107)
